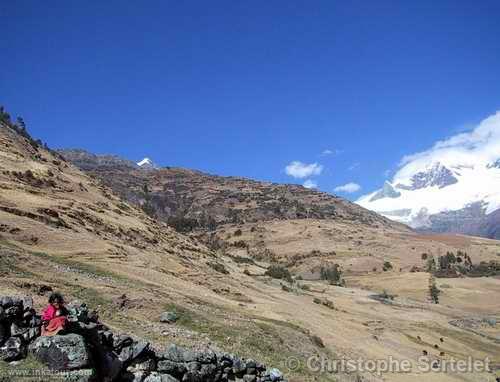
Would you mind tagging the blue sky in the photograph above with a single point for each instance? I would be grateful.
(250, 87)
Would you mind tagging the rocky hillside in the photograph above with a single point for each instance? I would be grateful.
(47, 204)
(89, 351)
(268, 292)
(210, 201)
(61, 229)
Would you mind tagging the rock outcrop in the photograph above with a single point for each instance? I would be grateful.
(19, 325)
(89, 351)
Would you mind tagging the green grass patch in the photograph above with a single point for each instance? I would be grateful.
(29, 364)
(10, 263)
(80, 266)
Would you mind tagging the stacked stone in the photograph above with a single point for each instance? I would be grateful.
(19, 325)
(92, 352)
(179, 364)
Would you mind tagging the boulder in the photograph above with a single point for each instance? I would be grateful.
(134, 351)
(106, 338)
(178, 354)
(147, 365)
(133, 376)
(6, 302)
(239, 367)
(157, 377)
(121, 341)
(17, 330)
(35, 321)
(176, 369)
(62, 352)
(110, 365)
(4, 333)
(175, 353)
(13, 313)
(31, 334)
(275, 375)
(27, 303)
(169, 317)
(192, 376)
(12, 350)
(207, 371)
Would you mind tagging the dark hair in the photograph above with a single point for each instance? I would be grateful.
(56, 297)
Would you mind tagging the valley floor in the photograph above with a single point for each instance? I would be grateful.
(289, 328)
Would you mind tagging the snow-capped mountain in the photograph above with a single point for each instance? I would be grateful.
(147, 163)
(453, 187)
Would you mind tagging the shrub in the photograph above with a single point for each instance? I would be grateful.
(279, 272)
(182, 224)
(238, 232)
(218, 267)
(333, 274)
(328, 303)
(240, 244)
(431, 265)
(434, 291)
(387, 266)
(386, 296)
(285, 288)
(317, 341)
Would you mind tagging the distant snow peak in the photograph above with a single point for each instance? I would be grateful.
(495, 164)
(387, 191)
(147, 163)
(437, 175)
(434, 189)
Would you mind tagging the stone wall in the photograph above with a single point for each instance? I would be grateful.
(90, 351)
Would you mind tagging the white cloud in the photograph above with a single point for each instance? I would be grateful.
(348, 188)
(353, 166)
(476, 147)
(331, 152)
(301, 170)
(309, 183)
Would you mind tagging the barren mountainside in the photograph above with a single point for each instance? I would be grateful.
(215, 200)
(261, 293)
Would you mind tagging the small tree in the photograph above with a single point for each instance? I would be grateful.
(387, 266)
(333, 274)
(434, 291)
(431, 265)
(21, 124)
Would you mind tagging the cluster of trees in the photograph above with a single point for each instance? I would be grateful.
(182, 224)
(20, 127)
(279, 272)
(451, 265)
(332, 274)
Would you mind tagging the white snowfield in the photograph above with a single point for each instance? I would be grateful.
(146, 162)
(453, 174)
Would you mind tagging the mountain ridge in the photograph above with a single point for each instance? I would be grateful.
(170, 192)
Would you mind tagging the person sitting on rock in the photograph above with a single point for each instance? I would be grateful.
(54, 317)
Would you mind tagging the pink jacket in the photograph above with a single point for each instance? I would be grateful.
(49, 313)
